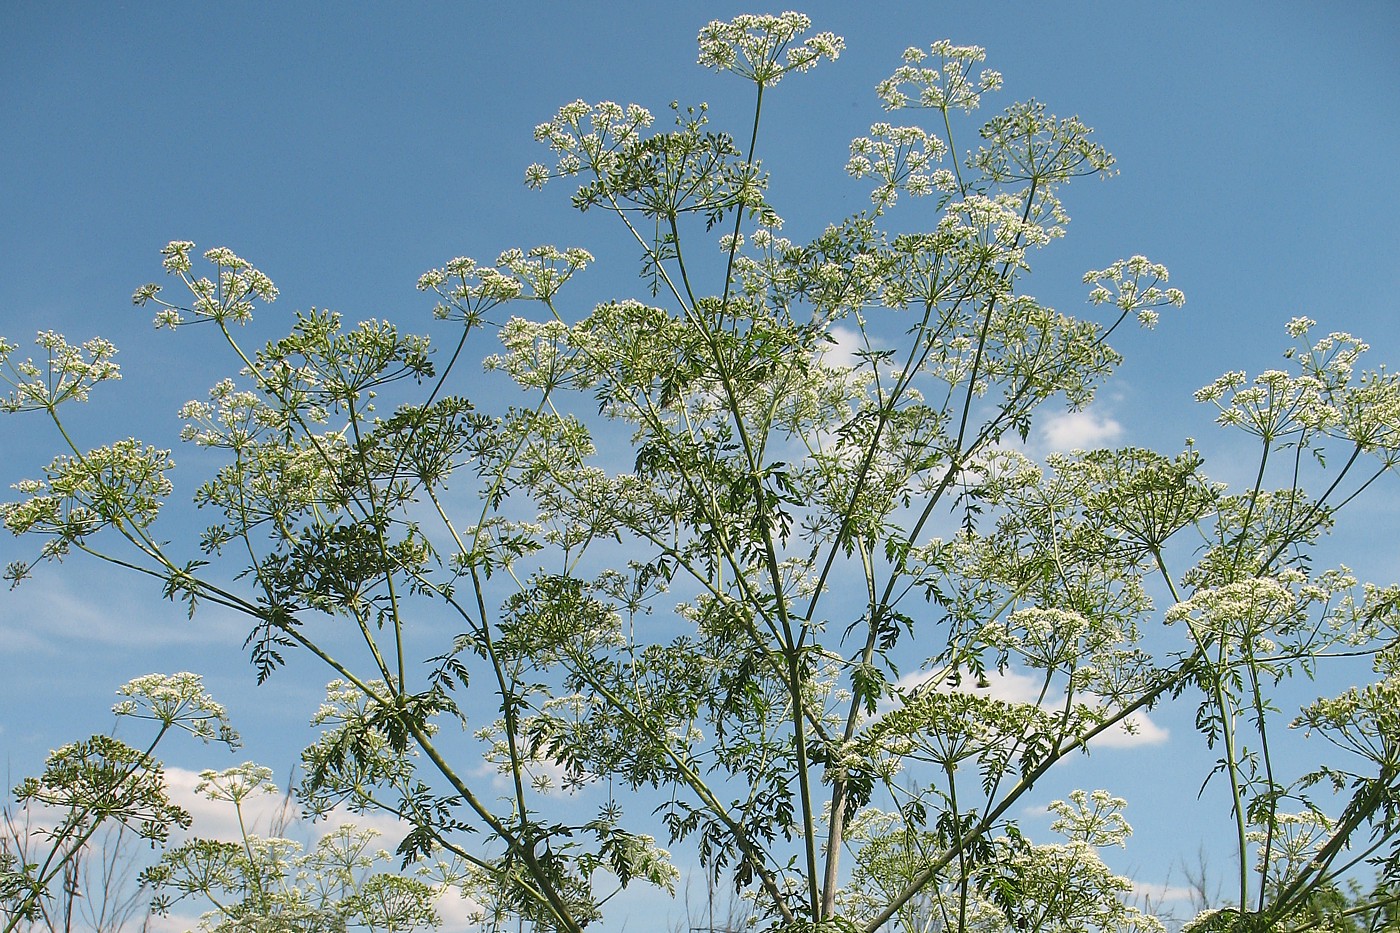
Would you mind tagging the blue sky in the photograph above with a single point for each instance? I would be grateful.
(345, 149)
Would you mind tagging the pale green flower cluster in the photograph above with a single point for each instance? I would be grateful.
(945, 728)
(1366, 407)
(122, 484)
(1331, 358)
(1016, 885)
(1273, 406)
(228, 297)
(1027, 143)
(821, 400)
(544, 269)
(1065, 887)
(1290, 843)
(179, 701)
(997, 227)
(1362, 720)
(270, 480)
(232, 419)
(1258, 609)
(541, 773)
(353, 758)
(1046, 639)
(760, 47)
(344, 703)
(572, 515)
(772, 267)
(103, 778)
(177, 256)
(1369, 414)
(940, 79)
(1142, 497)
(67, 374)
(1005, 471)
(1361, 620)
(535, 353)
(271, 883)
(623, 340)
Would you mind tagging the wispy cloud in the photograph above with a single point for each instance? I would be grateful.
(45, 614)
(1082, 430)
(1162, 893)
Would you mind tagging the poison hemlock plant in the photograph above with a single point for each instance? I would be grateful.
(763, 612)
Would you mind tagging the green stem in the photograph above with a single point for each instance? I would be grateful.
(1232, 766)
(963, 880)
(1257, 698)
(383, 547)
(692, 778)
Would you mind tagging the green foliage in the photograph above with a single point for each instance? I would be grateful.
(275, 884)
(103, 781)
(722, 612)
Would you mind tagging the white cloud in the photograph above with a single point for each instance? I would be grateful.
(458, 913)
(842, 353)
(1078, 430)
(1162, 893)
(269, 814)
(1136, 730)
(1008, 686)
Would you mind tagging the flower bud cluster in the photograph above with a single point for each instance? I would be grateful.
(68, 373)
(1135, 288)
(227, 297)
